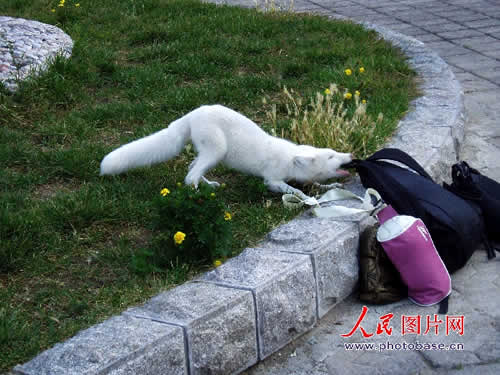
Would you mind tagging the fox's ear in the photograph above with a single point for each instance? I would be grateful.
(303, 161)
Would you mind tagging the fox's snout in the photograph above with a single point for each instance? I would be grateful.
(348, 158)
(344, 159)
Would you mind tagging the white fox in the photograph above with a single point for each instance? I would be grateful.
(220, 134)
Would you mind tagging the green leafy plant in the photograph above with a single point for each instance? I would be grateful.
(65, 12)
(142, 263)
(191, 226)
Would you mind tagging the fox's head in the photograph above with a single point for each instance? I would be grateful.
(319, 164)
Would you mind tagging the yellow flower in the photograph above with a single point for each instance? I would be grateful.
(227, 216)
(77, 4)
(357, 93)
(217, 263)
(361, 70)
(327, 92)
(348, 72)
(348, 95)
(363, 101)
(165, 192)
(212, 195)
(179, 237)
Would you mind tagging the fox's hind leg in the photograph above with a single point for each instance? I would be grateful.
(201, 165)
(211, 150)
(210, 144)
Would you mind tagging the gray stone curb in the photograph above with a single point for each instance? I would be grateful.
(121, 345)
(275, 279)
(219, 326)
(256, 303)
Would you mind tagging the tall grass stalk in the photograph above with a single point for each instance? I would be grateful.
(326, 121)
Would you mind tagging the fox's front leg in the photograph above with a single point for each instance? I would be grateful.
(283, 187)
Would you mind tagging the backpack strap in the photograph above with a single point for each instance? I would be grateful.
(467, 194)
(371, 173)
(400, 156)
(443, 305)
(471, 170)
(490, 250)
(464, 186)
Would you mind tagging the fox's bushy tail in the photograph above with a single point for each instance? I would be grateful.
(155, 148)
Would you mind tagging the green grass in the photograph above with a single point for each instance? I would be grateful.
(67, 236)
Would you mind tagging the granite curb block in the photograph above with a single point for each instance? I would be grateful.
(219, 325)
(284, 290)
(330, 245)
(121, 345)
(27, 47)
(257, 302)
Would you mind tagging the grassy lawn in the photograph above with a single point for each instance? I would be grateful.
(68, 236)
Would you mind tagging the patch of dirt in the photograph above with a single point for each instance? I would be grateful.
(50, 190)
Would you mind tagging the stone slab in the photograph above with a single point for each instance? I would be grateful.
(459, 34)
(444, 27)
(333, 246)
(337, 269)
(219, 325)
(473, 62)
(284, 288)
(120, 345)
(429, 38)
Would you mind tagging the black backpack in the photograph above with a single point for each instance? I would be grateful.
(474, 187)
(455, 225)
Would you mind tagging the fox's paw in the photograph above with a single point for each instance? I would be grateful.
(213, 184)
